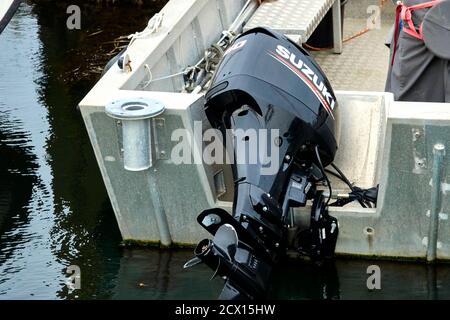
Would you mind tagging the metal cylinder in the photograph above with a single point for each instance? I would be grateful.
(436, 201)
(137, 143)
(136, 139)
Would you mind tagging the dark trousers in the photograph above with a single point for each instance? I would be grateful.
(417, 74)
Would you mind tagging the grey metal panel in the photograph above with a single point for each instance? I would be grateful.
(291, 17)
(401, 222)
(128, 191)
(178, 192)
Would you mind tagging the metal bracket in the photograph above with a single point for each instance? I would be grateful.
(159, 130)
(135, 116)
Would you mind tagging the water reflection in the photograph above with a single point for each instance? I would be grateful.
(347, 279)
(54, 211)
(306, 280)
(154, 274)
(26, 175)
(85, 231)
(17, 165)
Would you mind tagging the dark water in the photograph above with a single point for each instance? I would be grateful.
(54, 211)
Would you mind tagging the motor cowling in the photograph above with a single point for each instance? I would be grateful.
(283, 84)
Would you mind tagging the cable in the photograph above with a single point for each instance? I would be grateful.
(344, 178)
(324, 174)
(339, 177)
(153, 26)
(150, 75)
(364, 196)
(346, 182)
(349, 184)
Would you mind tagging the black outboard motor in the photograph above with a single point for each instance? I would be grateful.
(267, 84)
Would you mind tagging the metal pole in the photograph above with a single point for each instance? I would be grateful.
(436, 200)
(337, 26)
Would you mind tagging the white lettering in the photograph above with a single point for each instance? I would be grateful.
(282, 51)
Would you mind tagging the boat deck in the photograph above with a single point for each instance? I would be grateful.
(363, 64)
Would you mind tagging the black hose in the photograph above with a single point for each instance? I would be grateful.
(324, 174)
(344, 178)
(354, 189)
